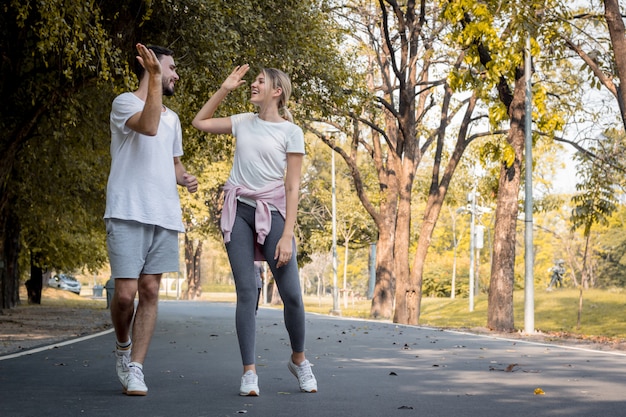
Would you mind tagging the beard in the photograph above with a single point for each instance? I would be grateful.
(167, 90)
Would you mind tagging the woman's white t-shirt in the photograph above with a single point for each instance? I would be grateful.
(142, 182)
(261, 149)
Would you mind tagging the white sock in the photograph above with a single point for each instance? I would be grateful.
(124, 345)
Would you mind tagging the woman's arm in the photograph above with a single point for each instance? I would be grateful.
(284, 248)
(204, 119)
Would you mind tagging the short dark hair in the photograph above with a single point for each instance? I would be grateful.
(159, 51)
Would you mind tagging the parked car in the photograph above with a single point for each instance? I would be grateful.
(65, 282)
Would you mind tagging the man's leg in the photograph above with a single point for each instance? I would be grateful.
(142, 329)
(122, 312)
(123, 307)
(146, 315)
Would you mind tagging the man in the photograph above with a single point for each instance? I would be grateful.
(143, 214)
(557, 274)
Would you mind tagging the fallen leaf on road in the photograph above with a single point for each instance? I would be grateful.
(511, 367)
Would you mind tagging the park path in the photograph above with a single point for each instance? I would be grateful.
(364, 368)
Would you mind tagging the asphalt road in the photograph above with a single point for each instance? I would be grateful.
(363, 368)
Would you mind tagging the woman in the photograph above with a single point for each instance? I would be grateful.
(259, 214)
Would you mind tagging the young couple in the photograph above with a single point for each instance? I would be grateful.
(143, 214)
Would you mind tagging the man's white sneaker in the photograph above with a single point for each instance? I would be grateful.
(122, 359)
(134, 383)
(249, 384)
(305, 376)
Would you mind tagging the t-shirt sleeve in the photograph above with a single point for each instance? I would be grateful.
(177, 149)
(124, 107)
(237, 119)
(295, 141)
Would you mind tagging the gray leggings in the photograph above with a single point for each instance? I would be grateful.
(241, 255)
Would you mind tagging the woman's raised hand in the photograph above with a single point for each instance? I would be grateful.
(234, 80)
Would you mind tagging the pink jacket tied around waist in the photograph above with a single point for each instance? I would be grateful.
(272, 194)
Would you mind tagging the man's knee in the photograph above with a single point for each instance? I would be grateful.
(149, 286)
(125, 291)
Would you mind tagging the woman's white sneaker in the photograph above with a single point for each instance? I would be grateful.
(305, 376)
(249, 384)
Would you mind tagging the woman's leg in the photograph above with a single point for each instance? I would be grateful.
(240, 251)
(288, 281)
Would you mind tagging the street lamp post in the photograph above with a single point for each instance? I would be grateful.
(475, 243)
(472, 248)
(529, 280)
(336, 310)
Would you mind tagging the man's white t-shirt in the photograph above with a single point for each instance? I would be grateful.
(261, 150)
(142, 182)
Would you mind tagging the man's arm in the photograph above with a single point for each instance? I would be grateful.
(183, 177)
(147, 121)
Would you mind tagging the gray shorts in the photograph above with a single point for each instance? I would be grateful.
(137, 248)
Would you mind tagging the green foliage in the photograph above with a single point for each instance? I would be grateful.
(212, 37)
(63, 61)
(315, 210)
(493, 35)
(61, 177)
(58, 65)
(610, 248)
(595, 200)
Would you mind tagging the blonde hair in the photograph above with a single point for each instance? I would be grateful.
(278, 79)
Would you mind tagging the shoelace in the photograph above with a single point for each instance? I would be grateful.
(124, 357)
(304, 372)
(135, 371)
(248, 378)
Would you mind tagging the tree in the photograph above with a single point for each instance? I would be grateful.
(475, 56)
(410, 109)
(595, 200)
(313, 272)
(610, 251)
(65, 58)
(70, 57)
(494, 34)
(615, 23)
(296, 37)
(595, 203)
(52, 52)
(354, 227)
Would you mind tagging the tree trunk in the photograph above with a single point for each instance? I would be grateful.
(438, 189)
(583, 280)
(276, 300)
(407, 293)
(345, 271)
(197, 271)
(617, 31)
(500, 309)
(35, 284)
(193, 253)
(382, 301)
(9, 251)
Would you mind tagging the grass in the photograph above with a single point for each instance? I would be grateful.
(554, 312)
(54, 297)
